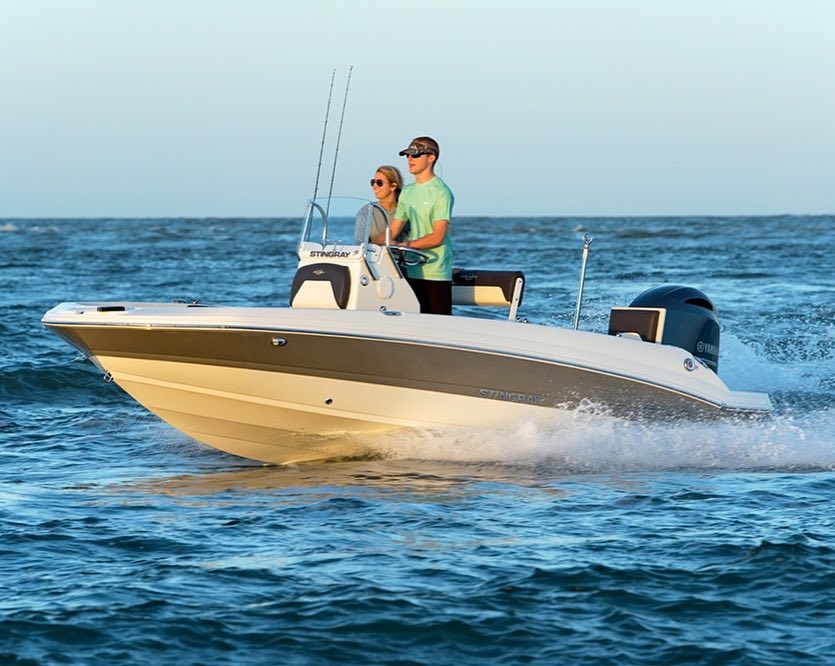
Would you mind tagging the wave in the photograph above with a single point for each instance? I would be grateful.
(38, 384)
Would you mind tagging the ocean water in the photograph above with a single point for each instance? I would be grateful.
(590, 541)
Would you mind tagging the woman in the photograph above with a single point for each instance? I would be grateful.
(387, 184)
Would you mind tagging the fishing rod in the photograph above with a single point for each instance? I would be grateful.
(339, 137)
(324, 134)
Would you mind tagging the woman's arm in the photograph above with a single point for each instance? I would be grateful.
(395, 228)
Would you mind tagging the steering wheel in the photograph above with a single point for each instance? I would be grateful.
(409, 256)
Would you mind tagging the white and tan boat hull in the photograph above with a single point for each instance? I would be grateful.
(283, 385)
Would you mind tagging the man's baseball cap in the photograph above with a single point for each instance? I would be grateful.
(422, 145)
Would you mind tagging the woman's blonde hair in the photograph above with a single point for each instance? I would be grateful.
(392, 174)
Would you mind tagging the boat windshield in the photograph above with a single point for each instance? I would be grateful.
(342, 221)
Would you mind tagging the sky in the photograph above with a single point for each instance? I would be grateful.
(215, 108)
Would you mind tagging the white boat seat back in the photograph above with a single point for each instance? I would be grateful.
(321, 286)
(490, 288)
(646, 323)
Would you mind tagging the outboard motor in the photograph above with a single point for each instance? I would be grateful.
(672, 315)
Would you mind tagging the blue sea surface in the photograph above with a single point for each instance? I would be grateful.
(594, 541)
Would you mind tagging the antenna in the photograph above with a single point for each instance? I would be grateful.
(324, 134)
(339, 136)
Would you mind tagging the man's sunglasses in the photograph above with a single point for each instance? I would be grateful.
(377, 182)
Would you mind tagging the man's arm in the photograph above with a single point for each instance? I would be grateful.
(430, 240)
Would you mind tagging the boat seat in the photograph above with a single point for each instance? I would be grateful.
(496, 288)
(321, 286)
(645, 323)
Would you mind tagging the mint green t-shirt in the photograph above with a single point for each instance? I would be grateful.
(422, 204)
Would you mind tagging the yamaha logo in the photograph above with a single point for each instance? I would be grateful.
(705, 347)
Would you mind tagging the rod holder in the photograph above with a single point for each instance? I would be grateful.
(587, 239)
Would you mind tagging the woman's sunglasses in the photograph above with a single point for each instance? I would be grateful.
(377, 182)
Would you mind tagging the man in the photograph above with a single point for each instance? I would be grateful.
(426, 205)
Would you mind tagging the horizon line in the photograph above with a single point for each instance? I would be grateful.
(474, 215)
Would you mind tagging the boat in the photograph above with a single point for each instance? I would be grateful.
(351, 357)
